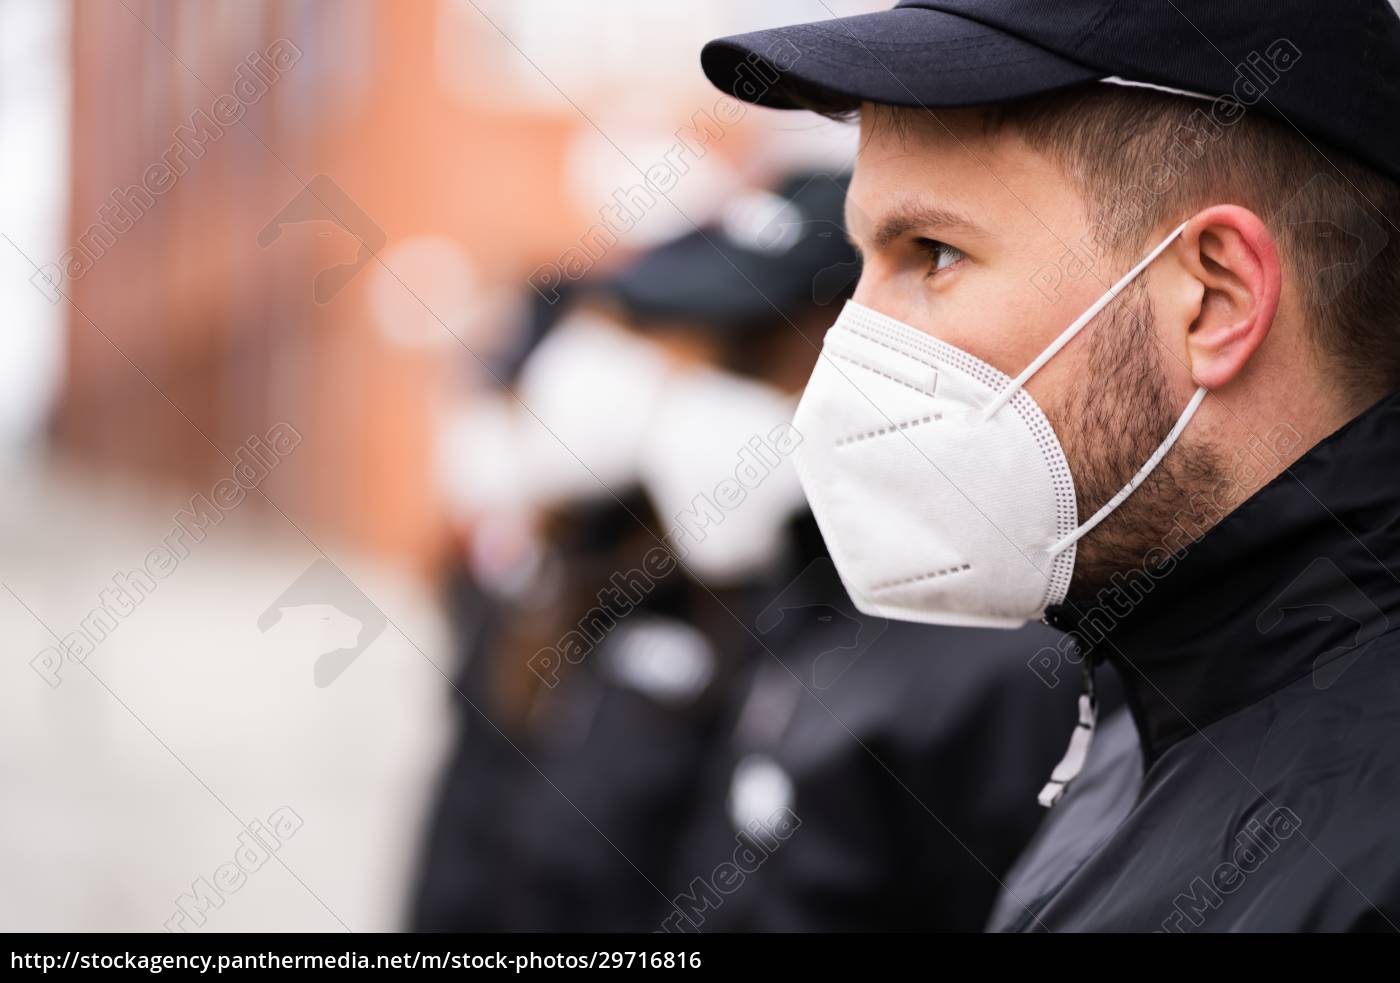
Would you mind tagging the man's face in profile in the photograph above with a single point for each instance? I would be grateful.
(954, 220)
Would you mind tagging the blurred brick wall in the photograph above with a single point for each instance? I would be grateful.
(184, 324)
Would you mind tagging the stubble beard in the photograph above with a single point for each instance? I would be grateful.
(1111, 426)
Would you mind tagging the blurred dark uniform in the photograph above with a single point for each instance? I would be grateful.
(908, 758)
(462, 867)
(856, 773)
(569, 819)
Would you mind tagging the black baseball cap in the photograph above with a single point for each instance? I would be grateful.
(1331, 68)
(767, 255)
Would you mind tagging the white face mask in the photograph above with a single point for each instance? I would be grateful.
(590, 388)
(478, 470)
(937, 482)
(717, 467)
(607, 410)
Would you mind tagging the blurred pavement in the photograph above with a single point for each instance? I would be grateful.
(121, 794)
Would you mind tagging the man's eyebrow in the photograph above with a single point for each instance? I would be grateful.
(915, 216)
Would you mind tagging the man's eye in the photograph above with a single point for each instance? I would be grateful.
(940, 254)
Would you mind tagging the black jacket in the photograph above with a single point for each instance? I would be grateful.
(1262, 670)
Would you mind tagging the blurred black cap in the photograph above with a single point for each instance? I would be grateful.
(1328, 68)
(542, 307)
(770, 255)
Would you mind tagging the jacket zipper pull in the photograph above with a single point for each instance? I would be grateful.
(1079, 742)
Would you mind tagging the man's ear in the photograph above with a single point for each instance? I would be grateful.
(1230, 255)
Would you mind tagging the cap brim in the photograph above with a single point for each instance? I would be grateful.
(910, 56)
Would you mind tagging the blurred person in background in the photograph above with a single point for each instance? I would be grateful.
(880, 776)
(593, 669)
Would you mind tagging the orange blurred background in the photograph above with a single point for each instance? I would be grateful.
(481, 138)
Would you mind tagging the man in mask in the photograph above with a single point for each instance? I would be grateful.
(1123, 353)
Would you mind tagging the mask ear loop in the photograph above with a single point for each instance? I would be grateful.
(1137, 479)
(1064, 339)
(1068, 334)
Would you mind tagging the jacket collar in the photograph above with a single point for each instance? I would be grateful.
(1297, 581)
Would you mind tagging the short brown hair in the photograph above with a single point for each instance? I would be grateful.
(1145, 160)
